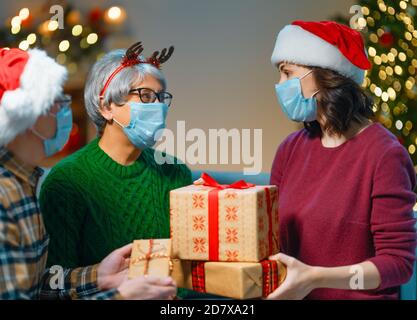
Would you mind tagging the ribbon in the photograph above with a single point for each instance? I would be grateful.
(213, 207)
(149, 256)
(272, 276)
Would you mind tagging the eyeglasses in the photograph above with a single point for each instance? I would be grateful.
(147, 95)
(60, 102)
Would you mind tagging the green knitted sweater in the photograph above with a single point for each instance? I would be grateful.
(92, 205)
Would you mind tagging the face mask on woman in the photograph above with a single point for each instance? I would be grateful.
(146, 119)
(63, 129)
(292, 101)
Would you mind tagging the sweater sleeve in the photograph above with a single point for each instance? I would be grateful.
(392, 220)
(63, 216)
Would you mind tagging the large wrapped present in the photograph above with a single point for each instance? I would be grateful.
(214, 222)
(237, 280)
(150, 257)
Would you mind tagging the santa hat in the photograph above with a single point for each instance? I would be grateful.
(30, 81)
(325, 44)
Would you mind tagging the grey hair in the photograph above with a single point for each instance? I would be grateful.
(119, 87)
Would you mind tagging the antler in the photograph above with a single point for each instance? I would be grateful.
(132, 54)
(163, 57)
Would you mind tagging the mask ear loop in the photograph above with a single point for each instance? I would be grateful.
(302, 77)
(38, 134)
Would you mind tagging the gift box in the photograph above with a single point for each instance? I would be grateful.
(237, 280)
(150, 257)
(213, 222)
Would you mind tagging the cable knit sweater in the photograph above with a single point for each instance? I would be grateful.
(92, 205)
(341, 206)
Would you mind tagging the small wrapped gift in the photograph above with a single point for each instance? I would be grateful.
(237, 280)
(150, 257)
(214, 222)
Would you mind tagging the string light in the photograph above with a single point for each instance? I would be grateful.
(31, 38)
(24, 45)
(77, 30)
(114, 13)
(92, 38)
(53, 25)
(15, 29)
(64, 45)
(399, 124)
(24, 13)
(16, 21)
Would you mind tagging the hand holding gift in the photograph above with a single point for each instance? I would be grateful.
(150, 269)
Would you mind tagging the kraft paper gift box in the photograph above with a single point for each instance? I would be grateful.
(150, 257)
(213, 222)
(237, 280)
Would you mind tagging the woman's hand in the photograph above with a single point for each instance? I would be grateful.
(112, 271)
(301, 279)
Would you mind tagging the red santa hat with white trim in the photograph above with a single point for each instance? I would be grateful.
(324, 44)
(30, 81)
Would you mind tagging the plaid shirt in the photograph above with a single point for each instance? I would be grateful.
(24, 244)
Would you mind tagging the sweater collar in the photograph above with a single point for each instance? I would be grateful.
(102, 159)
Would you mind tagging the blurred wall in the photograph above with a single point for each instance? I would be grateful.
(220, 73)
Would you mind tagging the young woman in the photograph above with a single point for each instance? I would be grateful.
(345, 183)
(114, 191)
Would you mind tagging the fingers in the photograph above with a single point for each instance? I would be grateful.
(126, 263)
(287, 260)
(165, 292)
(278, 293)
(274, 257)
(126, 250)
(168, 281)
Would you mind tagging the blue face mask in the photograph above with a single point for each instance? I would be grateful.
(293, 103)
(146, 119)
(63, 129)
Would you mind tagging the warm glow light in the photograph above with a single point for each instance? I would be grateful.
(16, 21)
(92, 38)
(31, 38)
(361, 22)
(398, 70)
(53, 25)
(378, 91)
(412, 149)
(24, 45)
(15, 29)
(24, 13)
(64, 45)
(372, 51)
(77, 30)
(399, 124)
(114, 13)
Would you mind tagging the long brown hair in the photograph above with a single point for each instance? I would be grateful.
(341, 101)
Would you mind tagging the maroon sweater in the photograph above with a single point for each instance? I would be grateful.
(344, 205)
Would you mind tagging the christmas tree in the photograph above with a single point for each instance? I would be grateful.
(391, 41)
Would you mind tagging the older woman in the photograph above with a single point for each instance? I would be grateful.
(113, 190)
(345, 183)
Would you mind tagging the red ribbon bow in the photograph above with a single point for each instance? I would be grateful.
(211, 182)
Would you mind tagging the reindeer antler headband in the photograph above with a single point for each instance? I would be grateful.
(132, 57)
